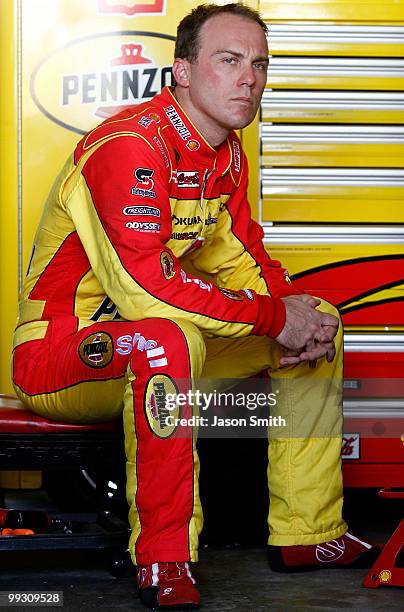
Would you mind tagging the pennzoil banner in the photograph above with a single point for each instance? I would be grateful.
(97, 76)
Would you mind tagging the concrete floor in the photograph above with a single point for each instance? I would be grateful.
(231, 577)
(229, 580)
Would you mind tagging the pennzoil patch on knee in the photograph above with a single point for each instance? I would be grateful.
(97, 350)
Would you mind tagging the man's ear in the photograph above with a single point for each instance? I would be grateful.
(181, 71)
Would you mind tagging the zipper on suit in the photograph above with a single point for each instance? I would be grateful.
(206, 176)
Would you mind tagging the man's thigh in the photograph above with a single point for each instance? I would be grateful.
(80, 376)
(240, 358)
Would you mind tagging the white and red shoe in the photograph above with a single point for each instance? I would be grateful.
(345, 551)
(168, 585)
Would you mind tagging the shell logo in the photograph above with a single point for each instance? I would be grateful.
(96, 76)
(131, 7)
(385, 576)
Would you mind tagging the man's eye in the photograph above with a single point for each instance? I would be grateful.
(260, 66)
(229, 60)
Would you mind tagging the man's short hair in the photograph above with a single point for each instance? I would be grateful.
(187, 43)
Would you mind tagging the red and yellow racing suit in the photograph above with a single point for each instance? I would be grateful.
(148, 272)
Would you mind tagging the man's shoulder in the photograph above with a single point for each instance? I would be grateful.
(141, 121)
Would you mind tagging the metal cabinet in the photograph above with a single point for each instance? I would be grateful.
(331, 195)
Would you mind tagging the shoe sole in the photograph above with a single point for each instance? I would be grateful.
(149, 598)
(365, 561)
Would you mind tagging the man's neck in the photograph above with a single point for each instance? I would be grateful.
(214, 135)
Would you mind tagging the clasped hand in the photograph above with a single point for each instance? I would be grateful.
(308, 333)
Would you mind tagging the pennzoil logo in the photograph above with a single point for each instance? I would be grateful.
(167, 265)
(97, 350)
(161, 419)
(177, 122)
(131, 7)
(97, 76)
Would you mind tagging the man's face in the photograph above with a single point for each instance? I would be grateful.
(226, 82)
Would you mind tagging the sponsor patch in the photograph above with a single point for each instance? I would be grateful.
(145, 121)
(197, 281)
(156, 355)
(187, 178)
(126, 343)
(160, 419)
(238, 296)
(210, 220)
(162, 150)
(177, 122)
(186, 220)
(143, 226)
(184, 235)
(145, 185)
(236, 156)
(193, 145)
(97, 350)
(167, 265)
(141, 211)
(330, 551)
(155, 117)
(350, 446)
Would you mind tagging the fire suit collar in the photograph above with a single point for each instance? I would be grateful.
(189, 135)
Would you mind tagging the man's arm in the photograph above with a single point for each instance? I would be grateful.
(129, 254)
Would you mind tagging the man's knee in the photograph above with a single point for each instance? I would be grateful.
(170, 342)
(329, 308)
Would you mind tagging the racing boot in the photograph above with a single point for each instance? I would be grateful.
(168, 585)
(343, 552)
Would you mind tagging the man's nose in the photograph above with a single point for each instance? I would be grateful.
(247, 76)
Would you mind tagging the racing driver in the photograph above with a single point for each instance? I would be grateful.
(147, 273)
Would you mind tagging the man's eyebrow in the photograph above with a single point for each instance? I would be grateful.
(260, 58)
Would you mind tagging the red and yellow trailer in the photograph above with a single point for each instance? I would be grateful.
(330, 187)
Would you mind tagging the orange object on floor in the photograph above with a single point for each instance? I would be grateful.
(384, 571)
(7, 531)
